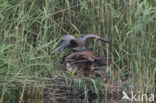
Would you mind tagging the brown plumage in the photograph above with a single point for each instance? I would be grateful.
(76, 44)
(82, 61)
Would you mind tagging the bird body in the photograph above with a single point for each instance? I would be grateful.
(82, 61)
(78, 56)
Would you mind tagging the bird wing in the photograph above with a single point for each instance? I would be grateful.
(64, 42)
(85, 37)
(79, 57)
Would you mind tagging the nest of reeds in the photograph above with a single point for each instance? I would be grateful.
(66, 85)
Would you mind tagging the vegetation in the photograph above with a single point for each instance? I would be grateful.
(30, 30)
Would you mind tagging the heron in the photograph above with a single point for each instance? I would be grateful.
(82, 61)
(77, 44)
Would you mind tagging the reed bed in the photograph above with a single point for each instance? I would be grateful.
(30, 30)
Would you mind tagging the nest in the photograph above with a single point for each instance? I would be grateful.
(63, 85)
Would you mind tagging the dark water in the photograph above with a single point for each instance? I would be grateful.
(69, 100)
(63, 100)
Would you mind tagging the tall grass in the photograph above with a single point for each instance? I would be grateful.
(29, 30)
